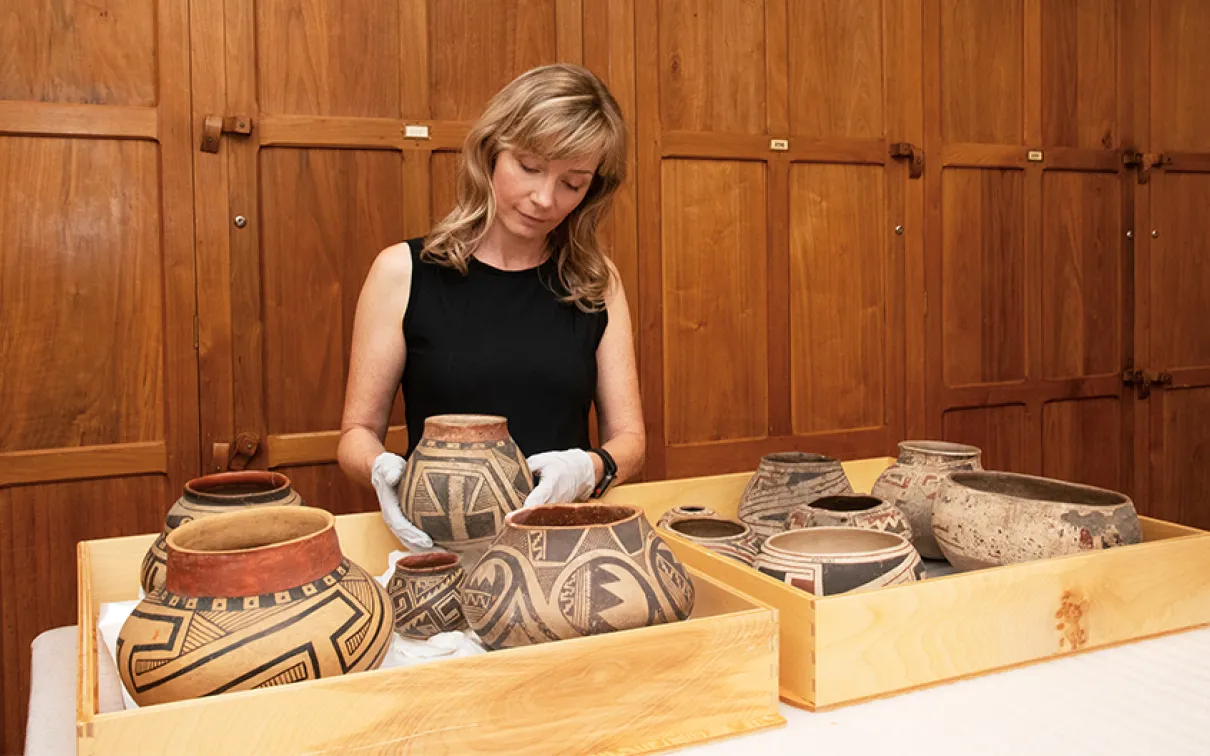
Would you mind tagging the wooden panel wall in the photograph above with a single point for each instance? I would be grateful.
(96, 299)
(1029, 278)
(772, 281)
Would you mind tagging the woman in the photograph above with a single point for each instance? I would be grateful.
(509, 306)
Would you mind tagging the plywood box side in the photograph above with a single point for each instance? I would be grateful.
(900, 638)
(634, 691)
(86, 629)
(1155, 530)
(795, 619)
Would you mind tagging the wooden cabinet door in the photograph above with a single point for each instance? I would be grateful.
(1027, 108)
(98, 387)
(1174, 263)
(292, 215)
(772, 277)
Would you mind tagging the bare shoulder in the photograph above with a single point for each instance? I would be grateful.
(614, 294)
(393, 266)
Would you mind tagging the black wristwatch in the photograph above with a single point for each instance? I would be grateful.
(608, 476)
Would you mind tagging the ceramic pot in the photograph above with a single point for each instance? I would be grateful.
(424, 591)
(465, 474)
(911, 484)
(782, 482)
(850, 510)
(985, 519)
(686, 512)
(253, 599)
(561, 571)
(826, 561)
(216, 494)
(731, 539)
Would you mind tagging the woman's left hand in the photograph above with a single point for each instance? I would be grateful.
(563, 477)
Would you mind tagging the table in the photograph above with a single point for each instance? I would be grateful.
(1147, 697)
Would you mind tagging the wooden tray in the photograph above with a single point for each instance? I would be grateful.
(636, 691)
(842, 649)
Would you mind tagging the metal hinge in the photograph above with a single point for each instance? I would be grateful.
(1143, 380)
(1144, 162)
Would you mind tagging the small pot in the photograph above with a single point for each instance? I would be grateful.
(425, 595)
(911, 484)
(686, 512)
(726, 537)
(852, 510)
(827, 561)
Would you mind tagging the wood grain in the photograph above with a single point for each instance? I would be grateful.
(836, 68)
(714, 300)
(476, 48)
(1181, 477)
(1180, 70)
(288, 449)
(331, 59)
(443, 189)
(999, 431)
(1079, 87)
(1082, 441)
(83, 328)
(53, 119)
(79, 462)
(1180, 278)
(39, 527)
(691, 460)
(983, 276)
(88, 53)
(757, 147)
(982, 86)
(326, 214)
(721, 664)
(1082, 286)
(708, 80)
(838, 290)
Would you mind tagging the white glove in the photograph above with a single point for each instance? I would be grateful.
(385, 474)
(563, 477)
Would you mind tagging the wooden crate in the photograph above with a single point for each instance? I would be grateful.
(842, 649)
(636, 691)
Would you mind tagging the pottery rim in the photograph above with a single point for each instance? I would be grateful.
(846, 503)
(734, 528)
(547, 516)
(1035, 490)
(879, 543)
(268, 484)
(420, 564)
(941, 448)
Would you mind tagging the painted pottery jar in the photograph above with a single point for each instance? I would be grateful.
(726, 537)
(911, 484)
(216, 494)
(782, 482)
(424, 591)
(560, 571)
(253, 599)
(850, 510)
(465, 474)
(985, 519)
(685, 512)
(830, 560)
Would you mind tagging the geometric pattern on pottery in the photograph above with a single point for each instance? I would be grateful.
(784, 481)
(685, 512)
(828, 579)
(724, 537)
(175, 647)
(912, 482)
(538, 585)
(878, 516)
(425, 605)
(191, 507)
(460, 492)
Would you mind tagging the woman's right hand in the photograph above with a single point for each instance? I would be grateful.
(385, 475)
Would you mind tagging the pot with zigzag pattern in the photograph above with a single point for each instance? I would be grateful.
(560, 571)
(253, 599)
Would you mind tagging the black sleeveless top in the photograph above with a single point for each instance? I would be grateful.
(500, 342)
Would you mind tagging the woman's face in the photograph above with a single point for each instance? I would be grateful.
(534, 195)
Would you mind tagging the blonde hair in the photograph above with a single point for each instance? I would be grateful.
(556, 112)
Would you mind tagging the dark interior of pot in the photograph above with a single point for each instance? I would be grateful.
(570, 515)
(1037, 489)
(242, 484)
(830, 541)
(707, 527)
(427, 561)
(251, 529)
(797, 457)
(845, 503)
